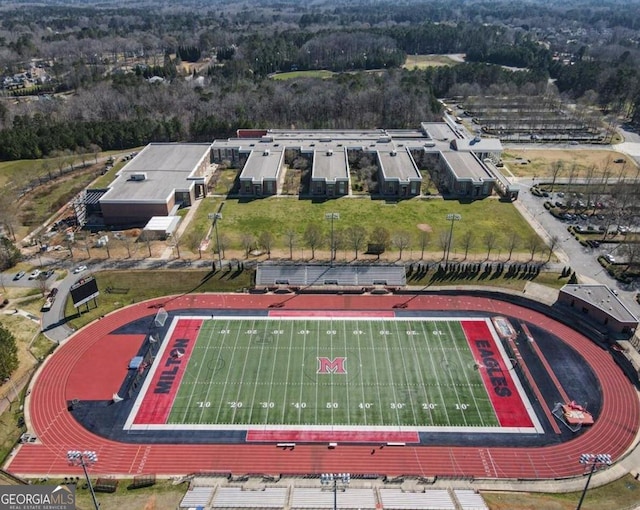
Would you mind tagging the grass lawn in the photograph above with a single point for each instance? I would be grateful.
(318, 73)
(104, 180)
(424, 61)
(542, 161)
(623, 493)
(134, 286)
(279, 214)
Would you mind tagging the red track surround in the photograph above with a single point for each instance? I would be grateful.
(58, 432)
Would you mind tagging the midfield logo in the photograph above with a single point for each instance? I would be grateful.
(332, 366)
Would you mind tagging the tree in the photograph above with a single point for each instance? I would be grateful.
(8, 353)
(467, 242)
(146, 237)
(490, 242)
(425, 239)
(248, 240)
(533, 244)
(356, 237)
(401, 241)
(553, 242)
(175, 241)
(9, 254)
(381, 237)
(290, 236)
(265, 240)
(444, 242)
(193, 241)
(512, 243)
(556, 168)
(313, 237)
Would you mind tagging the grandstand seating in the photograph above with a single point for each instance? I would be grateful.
(197, 497)
(305, 499)
(235, 497)
(344, 276)
(433, 499)
(470, 500)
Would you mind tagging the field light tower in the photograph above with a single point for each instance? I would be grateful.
(87, 457)
(331, 216)
(596, 460)
(452, 218)
(330, 478)
(215, 217)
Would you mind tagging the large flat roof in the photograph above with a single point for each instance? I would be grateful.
(466, 166)
(263, 164)
(330, 165)
(173, 157)
(601, 296)
(398, 164)
(166, 168)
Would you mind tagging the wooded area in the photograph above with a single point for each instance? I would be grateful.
(118, 76)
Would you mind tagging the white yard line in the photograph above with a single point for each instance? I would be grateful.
(405, 371)
(427, 341)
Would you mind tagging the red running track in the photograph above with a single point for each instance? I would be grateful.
(58, 432)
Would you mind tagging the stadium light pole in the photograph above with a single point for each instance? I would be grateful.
(596, 460)
(452, 218)
(215, 217)
(330, 478)
(332, 216)
(78, 458)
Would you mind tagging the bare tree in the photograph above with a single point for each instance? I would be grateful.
(193, 241)
(381, 237)
(266, 241)
(127, 242)
(222, 242)
(401, 240)
(248, 241)
(146, 236)
(512, 243)
(444, 242)
(556, 168)
(290, 236)
(356, 237)
(425, 238)
(533, 244)
(553, 242)
(313, 237)
(632, 252)
(490, 242)
(174, 242)
(467, 241)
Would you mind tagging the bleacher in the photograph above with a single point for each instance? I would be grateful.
(470, 500)
(269, 275)
(432, 499)
(197, 497)
(235, 497)
(319, 499)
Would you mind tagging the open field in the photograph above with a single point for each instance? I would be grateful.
(424, 61)
(265, 371)
(542, 161)
(278, 215)
(134, 286)
(320, 73)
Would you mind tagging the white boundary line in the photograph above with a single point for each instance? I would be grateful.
(147, 382)
(537, 428)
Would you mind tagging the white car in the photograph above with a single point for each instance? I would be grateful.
(79, 269)
(35, 274)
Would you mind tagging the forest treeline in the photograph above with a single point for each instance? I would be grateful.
(123, 76)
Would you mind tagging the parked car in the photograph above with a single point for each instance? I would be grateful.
(560, 194)
(35, 274)
(19, 275)
(610, 258)
(79, 269)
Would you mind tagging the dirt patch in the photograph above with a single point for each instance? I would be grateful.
(425, 227)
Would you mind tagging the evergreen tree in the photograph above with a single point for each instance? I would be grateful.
(8, 353)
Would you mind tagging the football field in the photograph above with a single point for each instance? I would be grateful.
(337, 372)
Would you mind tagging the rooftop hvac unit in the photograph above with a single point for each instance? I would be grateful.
(266, 153)
(393, 153)
(139, 176)
(329, 152)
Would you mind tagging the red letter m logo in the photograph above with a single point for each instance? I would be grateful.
(331, 366)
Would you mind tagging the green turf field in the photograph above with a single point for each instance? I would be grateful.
(256, 371)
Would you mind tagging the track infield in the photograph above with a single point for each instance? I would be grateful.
(333, 374)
